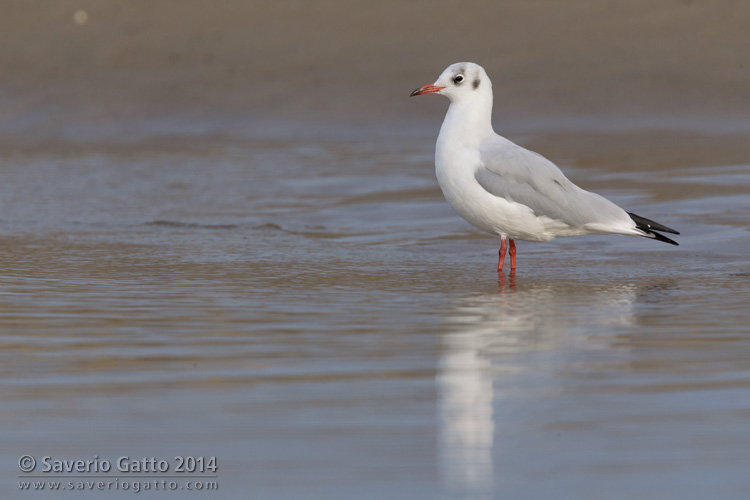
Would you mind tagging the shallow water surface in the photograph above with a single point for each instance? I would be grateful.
(313, 314)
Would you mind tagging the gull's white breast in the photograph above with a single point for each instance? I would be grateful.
(455, 168)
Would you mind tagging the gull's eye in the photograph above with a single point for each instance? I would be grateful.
(458, 78)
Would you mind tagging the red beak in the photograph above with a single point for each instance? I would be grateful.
(427, 89)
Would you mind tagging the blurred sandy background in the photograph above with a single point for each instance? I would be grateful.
(89, 63)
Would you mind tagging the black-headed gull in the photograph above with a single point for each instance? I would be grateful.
(504, 189)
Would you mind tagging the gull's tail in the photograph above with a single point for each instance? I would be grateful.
(650, 229)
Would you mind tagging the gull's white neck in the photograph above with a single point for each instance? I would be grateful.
(467, 123)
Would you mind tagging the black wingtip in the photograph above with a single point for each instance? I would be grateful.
(661, 237)
(650, 227)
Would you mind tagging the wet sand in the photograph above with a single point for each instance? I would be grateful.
(201, 270)
(316, 316)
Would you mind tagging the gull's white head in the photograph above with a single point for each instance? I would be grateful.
(459, 82)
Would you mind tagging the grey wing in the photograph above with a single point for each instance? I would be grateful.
(522, 176)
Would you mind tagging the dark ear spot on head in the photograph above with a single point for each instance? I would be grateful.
(476, 84)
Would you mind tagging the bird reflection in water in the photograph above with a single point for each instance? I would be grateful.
(506, 285)
(495, 345)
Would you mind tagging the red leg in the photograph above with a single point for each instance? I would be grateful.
(501, 253)
(512, 256)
